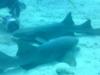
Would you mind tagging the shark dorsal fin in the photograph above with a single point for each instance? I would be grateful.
(68, 20)
(86, 25)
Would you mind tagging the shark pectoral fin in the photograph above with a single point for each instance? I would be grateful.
(24, 47)
(70, 57)
(70, 60)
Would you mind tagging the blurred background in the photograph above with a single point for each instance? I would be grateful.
(39, 12)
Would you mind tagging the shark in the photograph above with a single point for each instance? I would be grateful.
(55, 42)
(63, 28)
(30, 56)
(45, 33)
(14, 6)
(53, 50)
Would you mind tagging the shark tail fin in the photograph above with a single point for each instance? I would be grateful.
(68, 20)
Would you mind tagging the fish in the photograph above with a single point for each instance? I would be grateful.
(29, 56)
(55, 41)
(48, 52)
(46, 32)
(15, 6)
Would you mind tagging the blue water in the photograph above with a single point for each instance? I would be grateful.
(33, 38)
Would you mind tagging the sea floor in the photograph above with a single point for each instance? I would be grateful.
(39, 12)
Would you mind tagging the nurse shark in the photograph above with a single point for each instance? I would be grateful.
(64, 28)
(45, 33)
(57, 40)
(50, 51)
(29, 56)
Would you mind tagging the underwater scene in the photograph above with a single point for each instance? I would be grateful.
(49, 37)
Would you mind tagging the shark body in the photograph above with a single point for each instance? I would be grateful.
(29, 56)
(53, 50)
(64, 28)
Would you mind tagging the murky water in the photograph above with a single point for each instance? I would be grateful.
(34, 37)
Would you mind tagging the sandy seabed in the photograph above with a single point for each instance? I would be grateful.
(39, 12)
